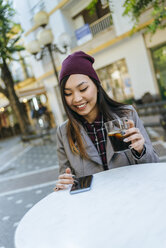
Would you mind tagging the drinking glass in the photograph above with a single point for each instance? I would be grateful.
(115, 131)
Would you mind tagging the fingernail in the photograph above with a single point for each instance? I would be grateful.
(125, 140)
(123, 132)
(56, 189)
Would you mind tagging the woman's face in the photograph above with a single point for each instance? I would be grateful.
(81, 96)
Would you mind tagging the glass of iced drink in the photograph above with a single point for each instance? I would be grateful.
(115, 131)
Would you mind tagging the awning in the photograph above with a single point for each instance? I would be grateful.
(28, 94)
(31, 92)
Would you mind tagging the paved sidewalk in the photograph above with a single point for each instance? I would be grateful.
(14, 206)
(32, 158)
(27, 174)
(9, 148)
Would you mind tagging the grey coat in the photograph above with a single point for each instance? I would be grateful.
(83, 167)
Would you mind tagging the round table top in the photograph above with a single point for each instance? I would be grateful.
(125, 208)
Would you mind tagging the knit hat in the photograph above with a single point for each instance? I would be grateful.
(78, 63)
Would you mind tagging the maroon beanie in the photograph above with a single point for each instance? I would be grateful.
(78, 63)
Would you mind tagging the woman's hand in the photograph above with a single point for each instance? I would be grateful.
(133, 134)
(64, 180)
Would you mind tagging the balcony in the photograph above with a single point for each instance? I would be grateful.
(101, 24)
(104, 36)
(88, 32)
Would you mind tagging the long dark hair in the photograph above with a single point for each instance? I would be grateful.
(105, 104)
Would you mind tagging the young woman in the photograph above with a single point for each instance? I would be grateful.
(82, 144)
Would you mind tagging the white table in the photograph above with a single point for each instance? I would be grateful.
(126, 208)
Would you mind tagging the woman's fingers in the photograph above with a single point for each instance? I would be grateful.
(65, 176)
(134, 136)
(131, 131)
(64, 180)
(60, 186)
(68, 170)
(63, 184)
(137, 145)
(130, 123)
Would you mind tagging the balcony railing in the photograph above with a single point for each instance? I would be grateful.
(101, 24)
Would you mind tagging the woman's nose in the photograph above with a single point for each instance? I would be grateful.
(77, 97)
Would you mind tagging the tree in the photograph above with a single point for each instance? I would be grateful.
(135, 8)
(9, 37)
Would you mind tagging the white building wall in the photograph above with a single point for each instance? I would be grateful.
(134, 51)
(54, 104)
(121, 23)
(23, 13)
(56, 23)
(157, 39)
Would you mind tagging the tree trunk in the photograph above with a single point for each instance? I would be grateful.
(13, 98)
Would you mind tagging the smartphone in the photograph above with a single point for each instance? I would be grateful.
(81, 184)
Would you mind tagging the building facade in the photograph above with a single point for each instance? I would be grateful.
(127, 65)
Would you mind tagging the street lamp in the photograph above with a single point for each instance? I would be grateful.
(44, 41)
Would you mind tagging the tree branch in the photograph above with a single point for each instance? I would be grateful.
(4, 92)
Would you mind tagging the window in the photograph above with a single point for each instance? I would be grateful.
(116, 80)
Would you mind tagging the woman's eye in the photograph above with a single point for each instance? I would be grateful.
(83, 89)
(67, 94)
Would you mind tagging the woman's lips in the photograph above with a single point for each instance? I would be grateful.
(81, 106)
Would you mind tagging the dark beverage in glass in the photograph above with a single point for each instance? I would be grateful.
(116, 139)
(115, 130)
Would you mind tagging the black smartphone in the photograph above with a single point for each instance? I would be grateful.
(81, 184)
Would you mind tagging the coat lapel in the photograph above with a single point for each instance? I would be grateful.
(109, 148)
(109, 151)
(90, 148)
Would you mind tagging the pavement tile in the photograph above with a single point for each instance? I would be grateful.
(13, 207)
(15, 183)
(35, 156)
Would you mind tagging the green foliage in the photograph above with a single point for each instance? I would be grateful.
(134, 9)
(92, 7)
(9, 34)
(159, 55)
(129, 101)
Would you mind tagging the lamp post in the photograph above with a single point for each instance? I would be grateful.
(44, 41)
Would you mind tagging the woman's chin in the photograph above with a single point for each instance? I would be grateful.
(82, 113)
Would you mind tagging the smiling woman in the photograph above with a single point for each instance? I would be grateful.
(81, 96)
(82, 144)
